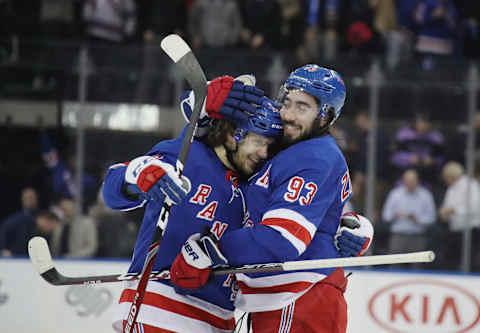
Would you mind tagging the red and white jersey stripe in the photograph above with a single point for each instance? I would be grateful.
(292, 225)
(162, 307)
(274, 292)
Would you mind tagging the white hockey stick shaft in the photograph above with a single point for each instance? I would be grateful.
(387, 259)
(42, 260)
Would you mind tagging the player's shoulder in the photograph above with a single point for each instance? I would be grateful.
(314, 153)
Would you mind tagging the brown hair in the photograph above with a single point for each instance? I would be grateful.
(217, 135)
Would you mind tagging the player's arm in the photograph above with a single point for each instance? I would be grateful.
(145, 178)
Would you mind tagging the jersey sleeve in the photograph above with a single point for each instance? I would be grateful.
(112, 189)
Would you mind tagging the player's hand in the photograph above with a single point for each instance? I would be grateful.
(232, 99)
(354, 235)
(192, 267)
(156, 180)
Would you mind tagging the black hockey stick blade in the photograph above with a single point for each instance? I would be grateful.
(42, 260)
(179, 51)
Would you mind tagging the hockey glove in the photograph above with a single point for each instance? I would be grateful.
(231, 99)
(156, 180)
(354, 235)
(192, 267)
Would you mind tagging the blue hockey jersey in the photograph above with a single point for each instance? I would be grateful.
(294, 205)
(214, 203)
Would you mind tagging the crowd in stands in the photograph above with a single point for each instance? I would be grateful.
(308, 28)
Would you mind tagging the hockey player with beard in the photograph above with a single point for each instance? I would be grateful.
(294, 207)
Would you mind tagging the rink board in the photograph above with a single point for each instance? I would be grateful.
(379, 301)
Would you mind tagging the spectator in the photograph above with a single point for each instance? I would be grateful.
(260, 21)
(16, 229)
(420, 147)
(108, 25)
(436, 30)
(409, 209)
(361, 34)
(63, 174)
(214, 23)
(399, 43)
(57, 24)
(161, 18)
(291, 27)
(109, 21)
(116, 233)
(358, 150)
(44, 224)
(460, 209)
(321, 34)
(76, 235)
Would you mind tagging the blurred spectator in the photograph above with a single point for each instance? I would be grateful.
(436, 22)
(321, 34)
(108, 25)
(116, 233)
(63, 175)
(57, 24)
(16, 229)
(420, 147)
(470, 11)
(43, 225)
(399, 42)
(214, 23)
(409, 209)
(460, 209)
(291, 28)
(161, 18)
(260, 21)
(361, 33)
(358, 155)
(76, 235)
(109, 21)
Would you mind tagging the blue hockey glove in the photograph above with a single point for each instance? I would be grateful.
(157, 180)
(231, 98)
(192, 267)
(354, 235)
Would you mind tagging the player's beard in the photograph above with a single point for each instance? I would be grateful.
(316, 130)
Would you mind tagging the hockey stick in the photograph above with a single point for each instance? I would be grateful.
(181, 54)
(41, 258)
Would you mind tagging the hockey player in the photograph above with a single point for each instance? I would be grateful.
(215, 204)
(294, 207)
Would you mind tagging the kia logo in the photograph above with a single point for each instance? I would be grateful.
(424, 306)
